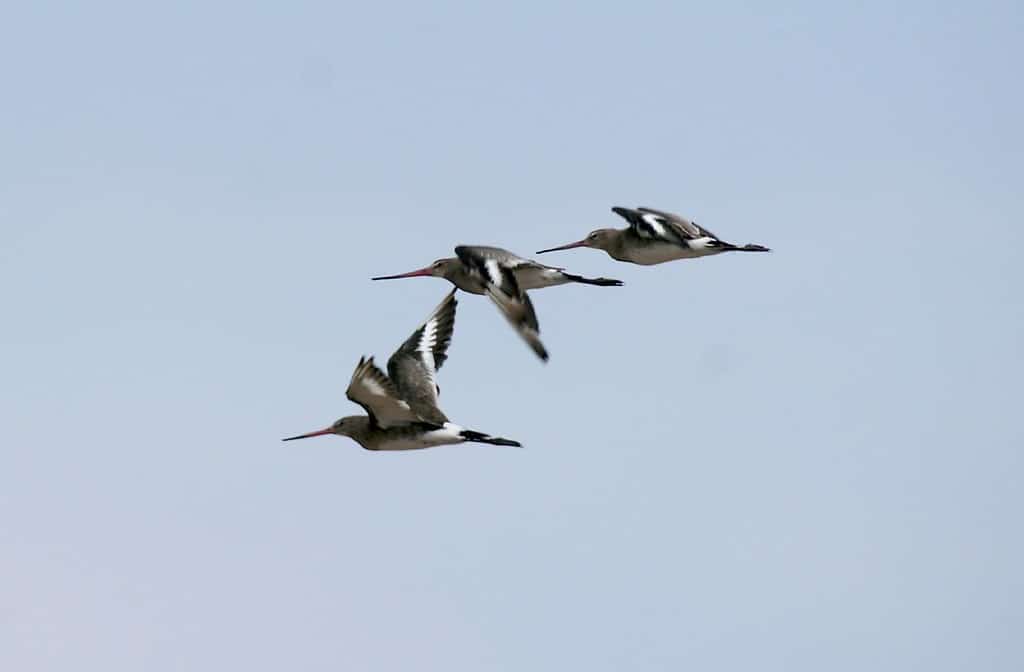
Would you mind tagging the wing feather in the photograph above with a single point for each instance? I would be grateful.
(413, 367)
(375, 392)
(501, 286)
(685, 226)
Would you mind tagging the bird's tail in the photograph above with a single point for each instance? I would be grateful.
(480, 437)
(749, 247)
(600, 282)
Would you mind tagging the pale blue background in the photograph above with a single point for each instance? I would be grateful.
(809, 460)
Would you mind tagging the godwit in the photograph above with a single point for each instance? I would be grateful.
(529, 274)
(401, 407)
(654, 237)
(504, 277)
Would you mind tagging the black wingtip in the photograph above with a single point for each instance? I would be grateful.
(629, 214)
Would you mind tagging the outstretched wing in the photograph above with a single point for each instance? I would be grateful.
(500, 283)
(503, 257)
(375, 392)
(683, 225)
(413, 367)
(662, 227)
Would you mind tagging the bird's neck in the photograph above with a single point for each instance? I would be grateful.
(359, 430)
(617, 244)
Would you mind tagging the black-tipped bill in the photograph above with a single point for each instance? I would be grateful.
(306, 436)
(578, 243)
(411, 274)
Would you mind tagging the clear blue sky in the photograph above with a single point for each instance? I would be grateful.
(809, 460)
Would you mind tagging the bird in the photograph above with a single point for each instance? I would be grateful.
(505, 278)
(529, 274)
(654, 237)
(401, 406)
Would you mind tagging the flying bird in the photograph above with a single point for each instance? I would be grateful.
(654, 237)
(401, 406)
(505, 278)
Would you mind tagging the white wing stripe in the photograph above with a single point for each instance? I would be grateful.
(655, 223)
(494, 272)
(426, 349)
(428, 340)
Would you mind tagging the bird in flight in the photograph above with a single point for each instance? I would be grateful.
(505, 278)
(402, 411)
(654, 237)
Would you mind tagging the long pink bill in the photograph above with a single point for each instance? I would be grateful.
(410, 274)
(578, 243)
(306, 436)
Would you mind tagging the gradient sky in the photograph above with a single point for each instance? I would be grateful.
(808, 460)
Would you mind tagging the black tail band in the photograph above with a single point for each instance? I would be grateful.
(480, 437)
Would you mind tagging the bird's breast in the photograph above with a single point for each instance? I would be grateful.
(470, 285)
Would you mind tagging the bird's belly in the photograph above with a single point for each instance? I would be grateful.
(537, 278)
(435, 437)
(659, 253)
(470, 285)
